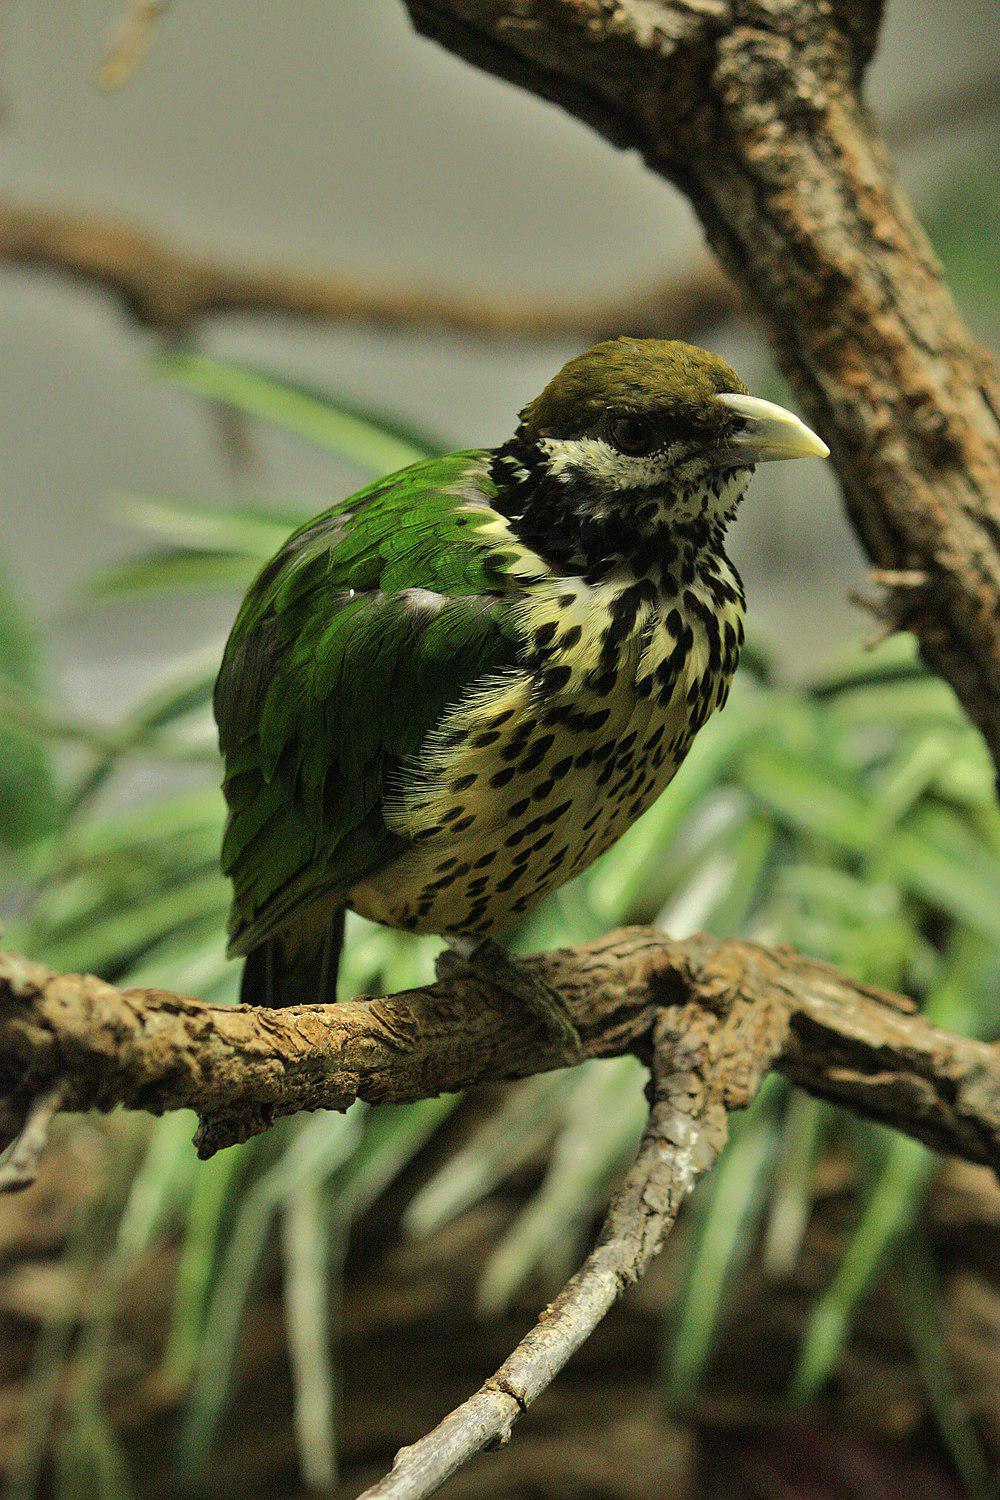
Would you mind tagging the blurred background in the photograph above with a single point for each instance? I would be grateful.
(827, 1320)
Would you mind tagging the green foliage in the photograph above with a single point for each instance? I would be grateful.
(27, 787)
(961, 221)
(855, 819)
(372, 440)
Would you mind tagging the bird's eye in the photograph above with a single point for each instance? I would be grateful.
(631, 433)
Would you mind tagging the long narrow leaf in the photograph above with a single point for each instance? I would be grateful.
(319, 1148)
(321, 419)
(309, 1254)
(888, 1214)
(918, 1298)
(723, 1237)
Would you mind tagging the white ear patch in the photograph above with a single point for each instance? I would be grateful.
(592, 457)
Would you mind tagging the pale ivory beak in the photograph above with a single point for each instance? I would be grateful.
(771, 432)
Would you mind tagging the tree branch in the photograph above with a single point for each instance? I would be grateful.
(169, 289)
(686, 1130)
(709, 1018)
(753, 110)
(240, 1068)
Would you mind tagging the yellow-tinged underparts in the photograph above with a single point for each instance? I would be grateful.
(537, 772)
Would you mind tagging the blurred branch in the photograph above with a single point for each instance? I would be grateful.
(20, 1158)
(129, 42)
(169, 289)
(755, 112)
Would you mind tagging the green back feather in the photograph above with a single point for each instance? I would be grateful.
(369, 622)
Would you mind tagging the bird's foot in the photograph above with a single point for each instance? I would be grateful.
(491, 963)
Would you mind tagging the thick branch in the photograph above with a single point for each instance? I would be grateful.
(751, 106)
(240, 1068)
(710, 1018)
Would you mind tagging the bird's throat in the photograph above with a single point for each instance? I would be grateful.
(579, 525)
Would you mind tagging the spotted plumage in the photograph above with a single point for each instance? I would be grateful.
(451, 692)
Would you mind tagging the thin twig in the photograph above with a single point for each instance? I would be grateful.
(169, 288)
(19, 1161)
(129, 42)
(683, 1137)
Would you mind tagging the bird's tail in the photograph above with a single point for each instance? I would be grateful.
(297, 967)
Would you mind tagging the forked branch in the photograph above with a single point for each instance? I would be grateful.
(240, 1068)
(684, 1134)
(709, 1018)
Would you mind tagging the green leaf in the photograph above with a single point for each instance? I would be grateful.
(931, 854)
(123, 934)
(90, 1460)
(212, 1190)
(27, 715)
(603, 1122)
(811, 798)
(167, 824)
(393, 1135)
(917, 1295)
(312, 1258)
(729, 1202)
(900, 702)
(941, 860)
(252, 531)
(30, 715)
(173, 572)
(167, 1171)
(888, 1214)
(791, 1195)
(371, 440)
(893, 1201)
(521, 1125)
(961, 222)
(895, 659)
(28, 798)
(319, 1148)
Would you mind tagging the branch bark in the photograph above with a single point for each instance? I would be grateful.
(709, 1018)
(752, 107)
(240, 1068)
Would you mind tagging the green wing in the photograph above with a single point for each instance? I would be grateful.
(369, 622)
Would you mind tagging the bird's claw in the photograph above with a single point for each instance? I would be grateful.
(492, 964)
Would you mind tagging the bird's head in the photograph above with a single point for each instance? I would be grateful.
(635, 435)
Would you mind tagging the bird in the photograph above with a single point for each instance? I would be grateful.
(449, 693)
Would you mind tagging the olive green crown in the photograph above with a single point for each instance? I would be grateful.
(659, 377)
